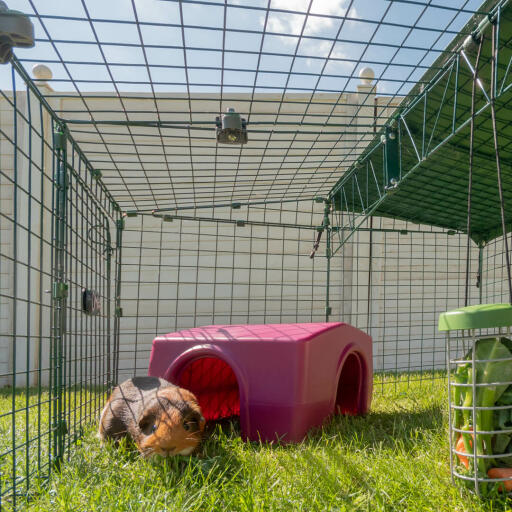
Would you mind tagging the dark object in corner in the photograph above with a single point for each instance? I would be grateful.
(16, 29)
(91, 302)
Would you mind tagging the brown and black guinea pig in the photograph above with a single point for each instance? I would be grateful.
(160, 417)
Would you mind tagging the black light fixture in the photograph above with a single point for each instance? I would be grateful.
(231, 128)
(16, 29)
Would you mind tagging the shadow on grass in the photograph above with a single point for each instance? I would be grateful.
(385, 429)
(382, 428)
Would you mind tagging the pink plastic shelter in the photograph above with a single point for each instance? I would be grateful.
(282, 379)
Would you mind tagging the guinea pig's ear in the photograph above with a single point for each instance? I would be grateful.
(147, 424)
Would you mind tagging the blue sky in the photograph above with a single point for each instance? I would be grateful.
(209, 49)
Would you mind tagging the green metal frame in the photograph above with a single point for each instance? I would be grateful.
(402, 174)
(59, 293)
(76, 216)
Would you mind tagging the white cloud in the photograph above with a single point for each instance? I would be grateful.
(285, 23)
(315, 25)
(325, 25)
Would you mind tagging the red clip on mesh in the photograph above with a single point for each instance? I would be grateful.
(215, 386)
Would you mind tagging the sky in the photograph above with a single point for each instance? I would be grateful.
(313, 48)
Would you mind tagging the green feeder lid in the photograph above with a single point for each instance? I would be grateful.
(482, 316)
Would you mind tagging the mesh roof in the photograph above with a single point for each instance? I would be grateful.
(290, 67)
(435, 146)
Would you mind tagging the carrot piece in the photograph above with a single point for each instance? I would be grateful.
(460, 448)
(502, 473)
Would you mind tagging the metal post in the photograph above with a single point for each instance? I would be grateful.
(109, 251)
(450, 421)
(326, 224)
(59, 293)
(480, 269)
(370, 270)
(118, 309)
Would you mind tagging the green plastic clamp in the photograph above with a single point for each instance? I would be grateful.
(59, 140)
(60, 290)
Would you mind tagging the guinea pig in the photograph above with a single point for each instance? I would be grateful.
(160, 417)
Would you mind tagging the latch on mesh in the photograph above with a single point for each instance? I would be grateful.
(325, 224)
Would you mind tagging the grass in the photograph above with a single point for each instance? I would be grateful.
(394, 459)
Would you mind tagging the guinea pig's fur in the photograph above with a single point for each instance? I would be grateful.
(160, 418)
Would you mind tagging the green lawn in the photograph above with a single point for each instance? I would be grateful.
(396, 458)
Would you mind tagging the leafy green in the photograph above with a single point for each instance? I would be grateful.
(503, 421)
(491, 367)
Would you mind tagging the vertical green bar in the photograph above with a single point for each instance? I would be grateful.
(59, 294)
(480, 269)
(118, 311)
(328, 277)
(326, 224)
(109, 250)
(392, 157)
(15, 232)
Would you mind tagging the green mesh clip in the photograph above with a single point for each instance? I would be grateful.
(118, 312)
(131, 213)
(59, 140)
(96, 174)
(167, 218)
(236, 206)
(120, 224)
(60, 290)
(328, 310)
(240, 223)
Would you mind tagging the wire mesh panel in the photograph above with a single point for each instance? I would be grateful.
(396, 279)
(57, 264)
(26, 222)
(494, 272)
(228, 266)
(391, 279)
(141, 83)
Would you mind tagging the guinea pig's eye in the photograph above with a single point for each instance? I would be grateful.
(192, 421)
(148, 425)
